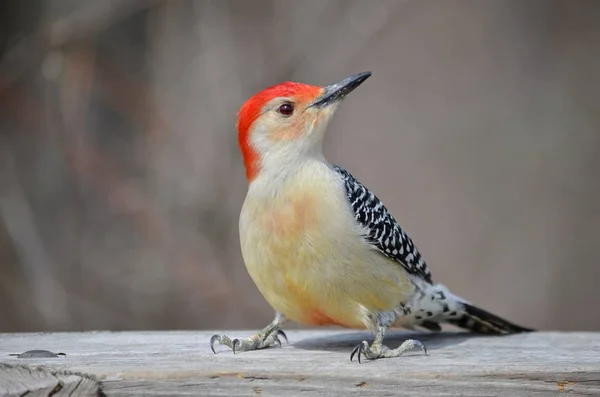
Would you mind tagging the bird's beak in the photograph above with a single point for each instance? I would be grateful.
(335, 92)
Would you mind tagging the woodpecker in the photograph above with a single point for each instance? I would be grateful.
(321, 247)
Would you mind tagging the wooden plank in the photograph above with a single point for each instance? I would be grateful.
(315, 363)
(21, 380)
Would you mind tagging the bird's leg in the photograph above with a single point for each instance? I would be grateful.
(268, 337)
(377, 349)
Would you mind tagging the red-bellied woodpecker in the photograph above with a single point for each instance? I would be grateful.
(321, 248)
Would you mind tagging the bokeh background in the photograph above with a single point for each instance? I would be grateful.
(121, 181)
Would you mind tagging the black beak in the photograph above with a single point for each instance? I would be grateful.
(335, 92)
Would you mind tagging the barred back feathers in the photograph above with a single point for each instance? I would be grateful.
(384, 231)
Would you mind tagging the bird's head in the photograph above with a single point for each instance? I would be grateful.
(288, 121)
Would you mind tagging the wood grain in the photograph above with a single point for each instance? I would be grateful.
(316, 362)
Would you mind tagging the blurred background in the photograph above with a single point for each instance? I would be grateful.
(121, 181)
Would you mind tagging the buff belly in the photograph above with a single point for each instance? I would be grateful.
(308, 259)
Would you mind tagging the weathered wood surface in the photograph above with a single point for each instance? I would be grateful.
(314, 363)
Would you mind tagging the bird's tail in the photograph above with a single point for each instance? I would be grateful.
(481, 321)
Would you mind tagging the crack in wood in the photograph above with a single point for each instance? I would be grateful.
(20, 380)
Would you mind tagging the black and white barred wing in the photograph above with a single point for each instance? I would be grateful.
(384, 232)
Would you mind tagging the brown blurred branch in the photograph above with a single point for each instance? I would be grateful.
(82, 23)
(48, 295)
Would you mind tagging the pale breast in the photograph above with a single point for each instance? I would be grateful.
(307, 256)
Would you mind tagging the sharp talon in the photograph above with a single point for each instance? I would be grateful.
(359, 350)
(354, 352)
(213, 339)
(276, 339)
(281, 333)
(421, 345)
(363, 347)
(234, 343)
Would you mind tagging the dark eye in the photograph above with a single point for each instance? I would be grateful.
(286, 109)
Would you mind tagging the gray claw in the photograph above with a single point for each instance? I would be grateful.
(234, 343)
(359, 349)
(213, 339)
(281, 333)
(356, 349)
(420, 345)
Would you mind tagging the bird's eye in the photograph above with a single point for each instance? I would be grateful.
(286, 110)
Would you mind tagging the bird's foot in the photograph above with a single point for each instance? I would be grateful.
(378, 350)
(261, 340)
